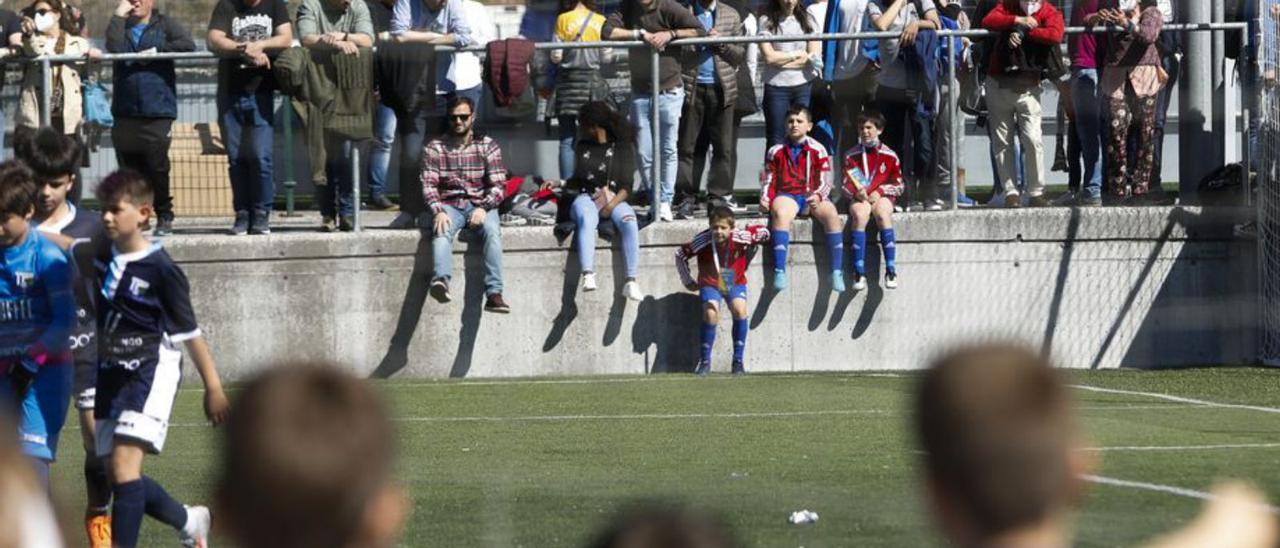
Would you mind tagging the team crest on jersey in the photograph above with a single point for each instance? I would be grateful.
(139, 286)
(24, 280)
(883, 168)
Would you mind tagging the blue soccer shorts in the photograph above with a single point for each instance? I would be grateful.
(799, 199)
(713, 294)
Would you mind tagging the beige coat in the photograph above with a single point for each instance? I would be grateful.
(29, 98)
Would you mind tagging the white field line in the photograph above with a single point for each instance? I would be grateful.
(644, 378)
(1182, 447)
(1178, 399)
(684, 416)
(1169, 489)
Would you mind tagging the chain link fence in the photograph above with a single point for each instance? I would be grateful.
(1267, 167)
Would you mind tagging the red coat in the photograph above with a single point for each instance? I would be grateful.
(883, 167)
(734, 254)
(810, 174)
(1005, 19)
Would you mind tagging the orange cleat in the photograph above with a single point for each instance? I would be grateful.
(99, 529)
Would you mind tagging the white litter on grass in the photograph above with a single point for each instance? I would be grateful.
(802, 516)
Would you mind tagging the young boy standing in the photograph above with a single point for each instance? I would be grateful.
(144, 312)
(723, 253)
(796, 181)
(873, 179)
(37, 312)
(54, 159)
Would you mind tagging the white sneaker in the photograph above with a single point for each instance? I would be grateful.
(589, 281)
(195, 534)
(664, 212)
(891, 280)
(631, 290)
(859, 282)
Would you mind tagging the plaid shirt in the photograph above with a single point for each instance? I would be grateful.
(459, 175)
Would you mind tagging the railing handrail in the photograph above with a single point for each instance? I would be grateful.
(628, 44)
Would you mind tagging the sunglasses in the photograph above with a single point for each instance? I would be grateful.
(460, 117)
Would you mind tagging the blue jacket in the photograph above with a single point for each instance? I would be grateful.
(146, 89)
(923, 72)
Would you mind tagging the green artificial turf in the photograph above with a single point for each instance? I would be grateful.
(545, 463)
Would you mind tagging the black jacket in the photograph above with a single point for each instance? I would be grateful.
(146, 89)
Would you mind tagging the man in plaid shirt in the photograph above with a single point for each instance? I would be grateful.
(463, 182)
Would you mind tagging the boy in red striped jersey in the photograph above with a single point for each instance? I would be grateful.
(873, 179)
(723, 253)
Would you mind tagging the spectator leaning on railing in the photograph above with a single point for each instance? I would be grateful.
(341, 27)
(1131, 81)
(1085, 51)
(578, 77)
(1026, 53)
(246, 34)
(657, 22)
(384, 117)
(48, 32)
(851, 72)
(144, 100)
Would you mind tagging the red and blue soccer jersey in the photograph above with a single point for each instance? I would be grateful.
(875, 169)
(713, 259)
(797, 170)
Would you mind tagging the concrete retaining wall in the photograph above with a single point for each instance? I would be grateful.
(1114, 287)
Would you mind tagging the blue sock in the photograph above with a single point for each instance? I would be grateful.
(708, 341)
(126, 513)
(888, 242)
(781, 240)
(740, 329)
(860, 252)
(161, 506)
(835, 244)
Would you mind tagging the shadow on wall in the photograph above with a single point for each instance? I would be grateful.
(666, 332)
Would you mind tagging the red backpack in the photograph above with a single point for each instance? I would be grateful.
(507, 66)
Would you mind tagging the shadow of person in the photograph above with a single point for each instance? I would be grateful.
(415, 297)
(568, 302)
(613, 327)
(472, 302)
(875, 292)
(670, 326)
(822, 264)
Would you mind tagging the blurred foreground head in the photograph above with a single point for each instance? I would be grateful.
(996, 427)
(658, 526)
(307, 463)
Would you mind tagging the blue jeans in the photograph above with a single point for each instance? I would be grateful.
(339, 191)
(777, 99)
(491, 231)
(246, 123)
(384, 135)
(568, 136)
(670, 104)
(586, 218)
(1088, 106)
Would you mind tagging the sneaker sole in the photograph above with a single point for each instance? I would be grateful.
(440, 294)
(498, 310)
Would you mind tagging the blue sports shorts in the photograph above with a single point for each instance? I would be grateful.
(713, 295)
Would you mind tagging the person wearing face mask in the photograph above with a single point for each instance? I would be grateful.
(46, 32)
(1131, 81)
(1025, 54)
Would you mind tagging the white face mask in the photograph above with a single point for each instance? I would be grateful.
(1127, 5)
(45, 21)
(1030, 7)
(873, 142)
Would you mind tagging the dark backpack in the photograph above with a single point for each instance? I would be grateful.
(507, 66)
(1222, 187)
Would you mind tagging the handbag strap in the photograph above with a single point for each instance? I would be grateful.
(582, 30)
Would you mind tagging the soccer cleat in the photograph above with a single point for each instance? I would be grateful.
(99, 529)
(859, 282)
(631, 290)
(891, 280)
(837, 281)
(241, 224)
(702, 369)
(589, 281)
(779, 279)
(195, 534)
(440, 290)
(739, 369)
(664, 212)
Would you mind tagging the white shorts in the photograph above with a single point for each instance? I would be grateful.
(149, 431)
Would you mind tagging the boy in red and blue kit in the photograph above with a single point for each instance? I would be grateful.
(723, 253)
(873, 181)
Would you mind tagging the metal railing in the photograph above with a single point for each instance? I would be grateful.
(951, 94)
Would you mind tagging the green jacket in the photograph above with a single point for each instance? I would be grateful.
(334, 88)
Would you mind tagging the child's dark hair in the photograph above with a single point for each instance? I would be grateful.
(124, 184)
(18, 190)
(720, 213)
(872, 116)
(663, 524)
(49, 153)
(797, 109)
(307, 450)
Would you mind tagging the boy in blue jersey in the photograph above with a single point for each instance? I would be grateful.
(144, 313)
(54, 158)
(37, 312)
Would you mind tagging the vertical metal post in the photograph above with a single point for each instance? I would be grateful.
(355, 184)
(1195, 109)
(953, 144)
(46, 93)
(1244, 68)
(290, 184)
(655, 171)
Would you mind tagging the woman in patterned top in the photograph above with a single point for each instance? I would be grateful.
(603, 176)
